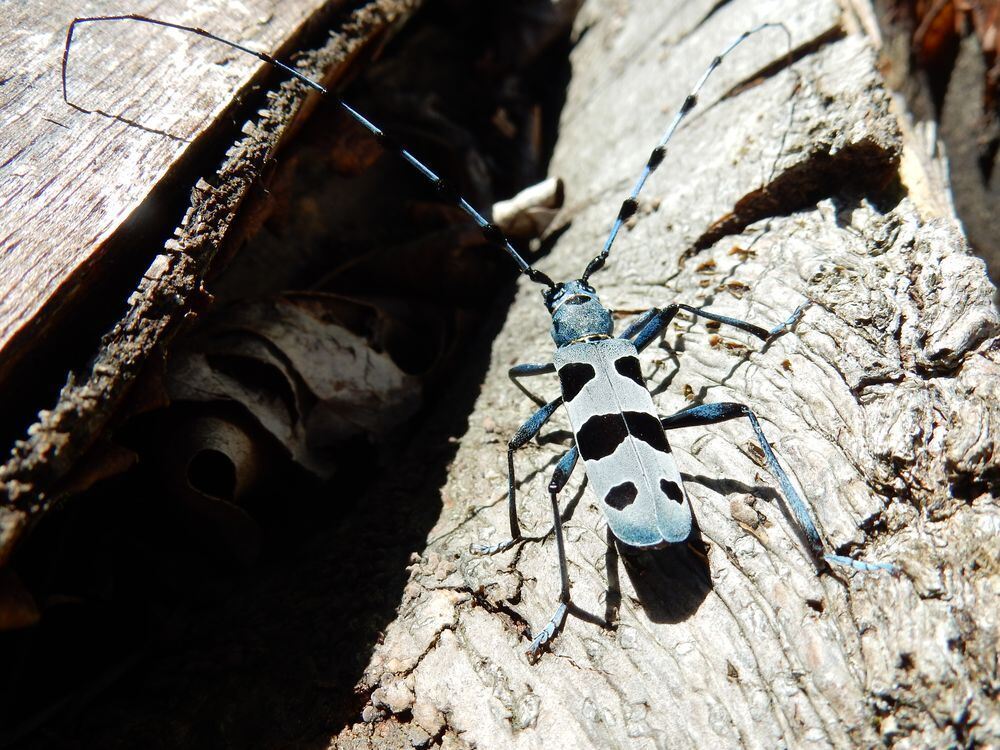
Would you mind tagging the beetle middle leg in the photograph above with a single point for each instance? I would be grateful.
(706, 414)
(527, 370)
(524, 433)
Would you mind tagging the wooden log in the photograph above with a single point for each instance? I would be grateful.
(784, 186)
(73, 179)
(787, 184)
(85, 179)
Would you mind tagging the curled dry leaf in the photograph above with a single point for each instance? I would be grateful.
(210, 462)
(306, 379)
(529, 213)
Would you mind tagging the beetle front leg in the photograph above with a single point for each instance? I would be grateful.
(648, 326)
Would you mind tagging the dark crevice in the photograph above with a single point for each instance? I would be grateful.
(785, 61)
(516, 620)
(968, 487)
(864, 167)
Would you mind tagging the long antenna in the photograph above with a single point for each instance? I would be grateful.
(631, 204)
(491, 232)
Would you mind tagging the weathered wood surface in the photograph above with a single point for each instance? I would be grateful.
(882, 404)
(70, 179)
(68, 189)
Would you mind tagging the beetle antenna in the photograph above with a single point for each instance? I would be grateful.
(491, 232)
(631, 204)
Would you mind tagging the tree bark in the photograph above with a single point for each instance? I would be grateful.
(117, 164)
(787, 184)
(791, 182)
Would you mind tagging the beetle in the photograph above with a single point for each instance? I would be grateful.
(616, 429)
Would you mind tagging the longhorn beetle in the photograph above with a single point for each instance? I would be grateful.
(616, 429)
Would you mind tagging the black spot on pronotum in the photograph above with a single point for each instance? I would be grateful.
(672, 490)
(600, 436)
(628, 366)
(648, 429)
(621, 496)
(573, 377)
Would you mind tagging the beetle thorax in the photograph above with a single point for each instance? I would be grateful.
(577, 313)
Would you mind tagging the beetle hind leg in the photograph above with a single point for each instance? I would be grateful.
(559, 478)
(715, 413)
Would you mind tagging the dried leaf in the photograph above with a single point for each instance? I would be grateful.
(306, 379)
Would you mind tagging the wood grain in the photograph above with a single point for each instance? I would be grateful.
(46, 260)
(880, 404)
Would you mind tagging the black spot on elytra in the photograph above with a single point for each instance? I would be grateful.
(628, 367)
(600, 436)
(573, 377)
(621, 496)
(672, 490)
(648, 429)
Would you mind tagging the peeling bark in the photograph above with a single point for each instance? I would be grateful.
(40, 470)
(881, 403)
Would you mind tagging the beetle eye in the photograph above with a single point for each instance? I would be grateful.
(551, 294)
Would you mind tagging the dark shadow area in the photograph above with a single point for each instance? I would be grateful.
(177, 609)
(670, 582)
(269, 656)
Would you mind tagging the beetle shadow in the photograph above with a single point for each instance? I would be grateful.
(725, 487)
(613, 593)
(672, 581)
(760, 491)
